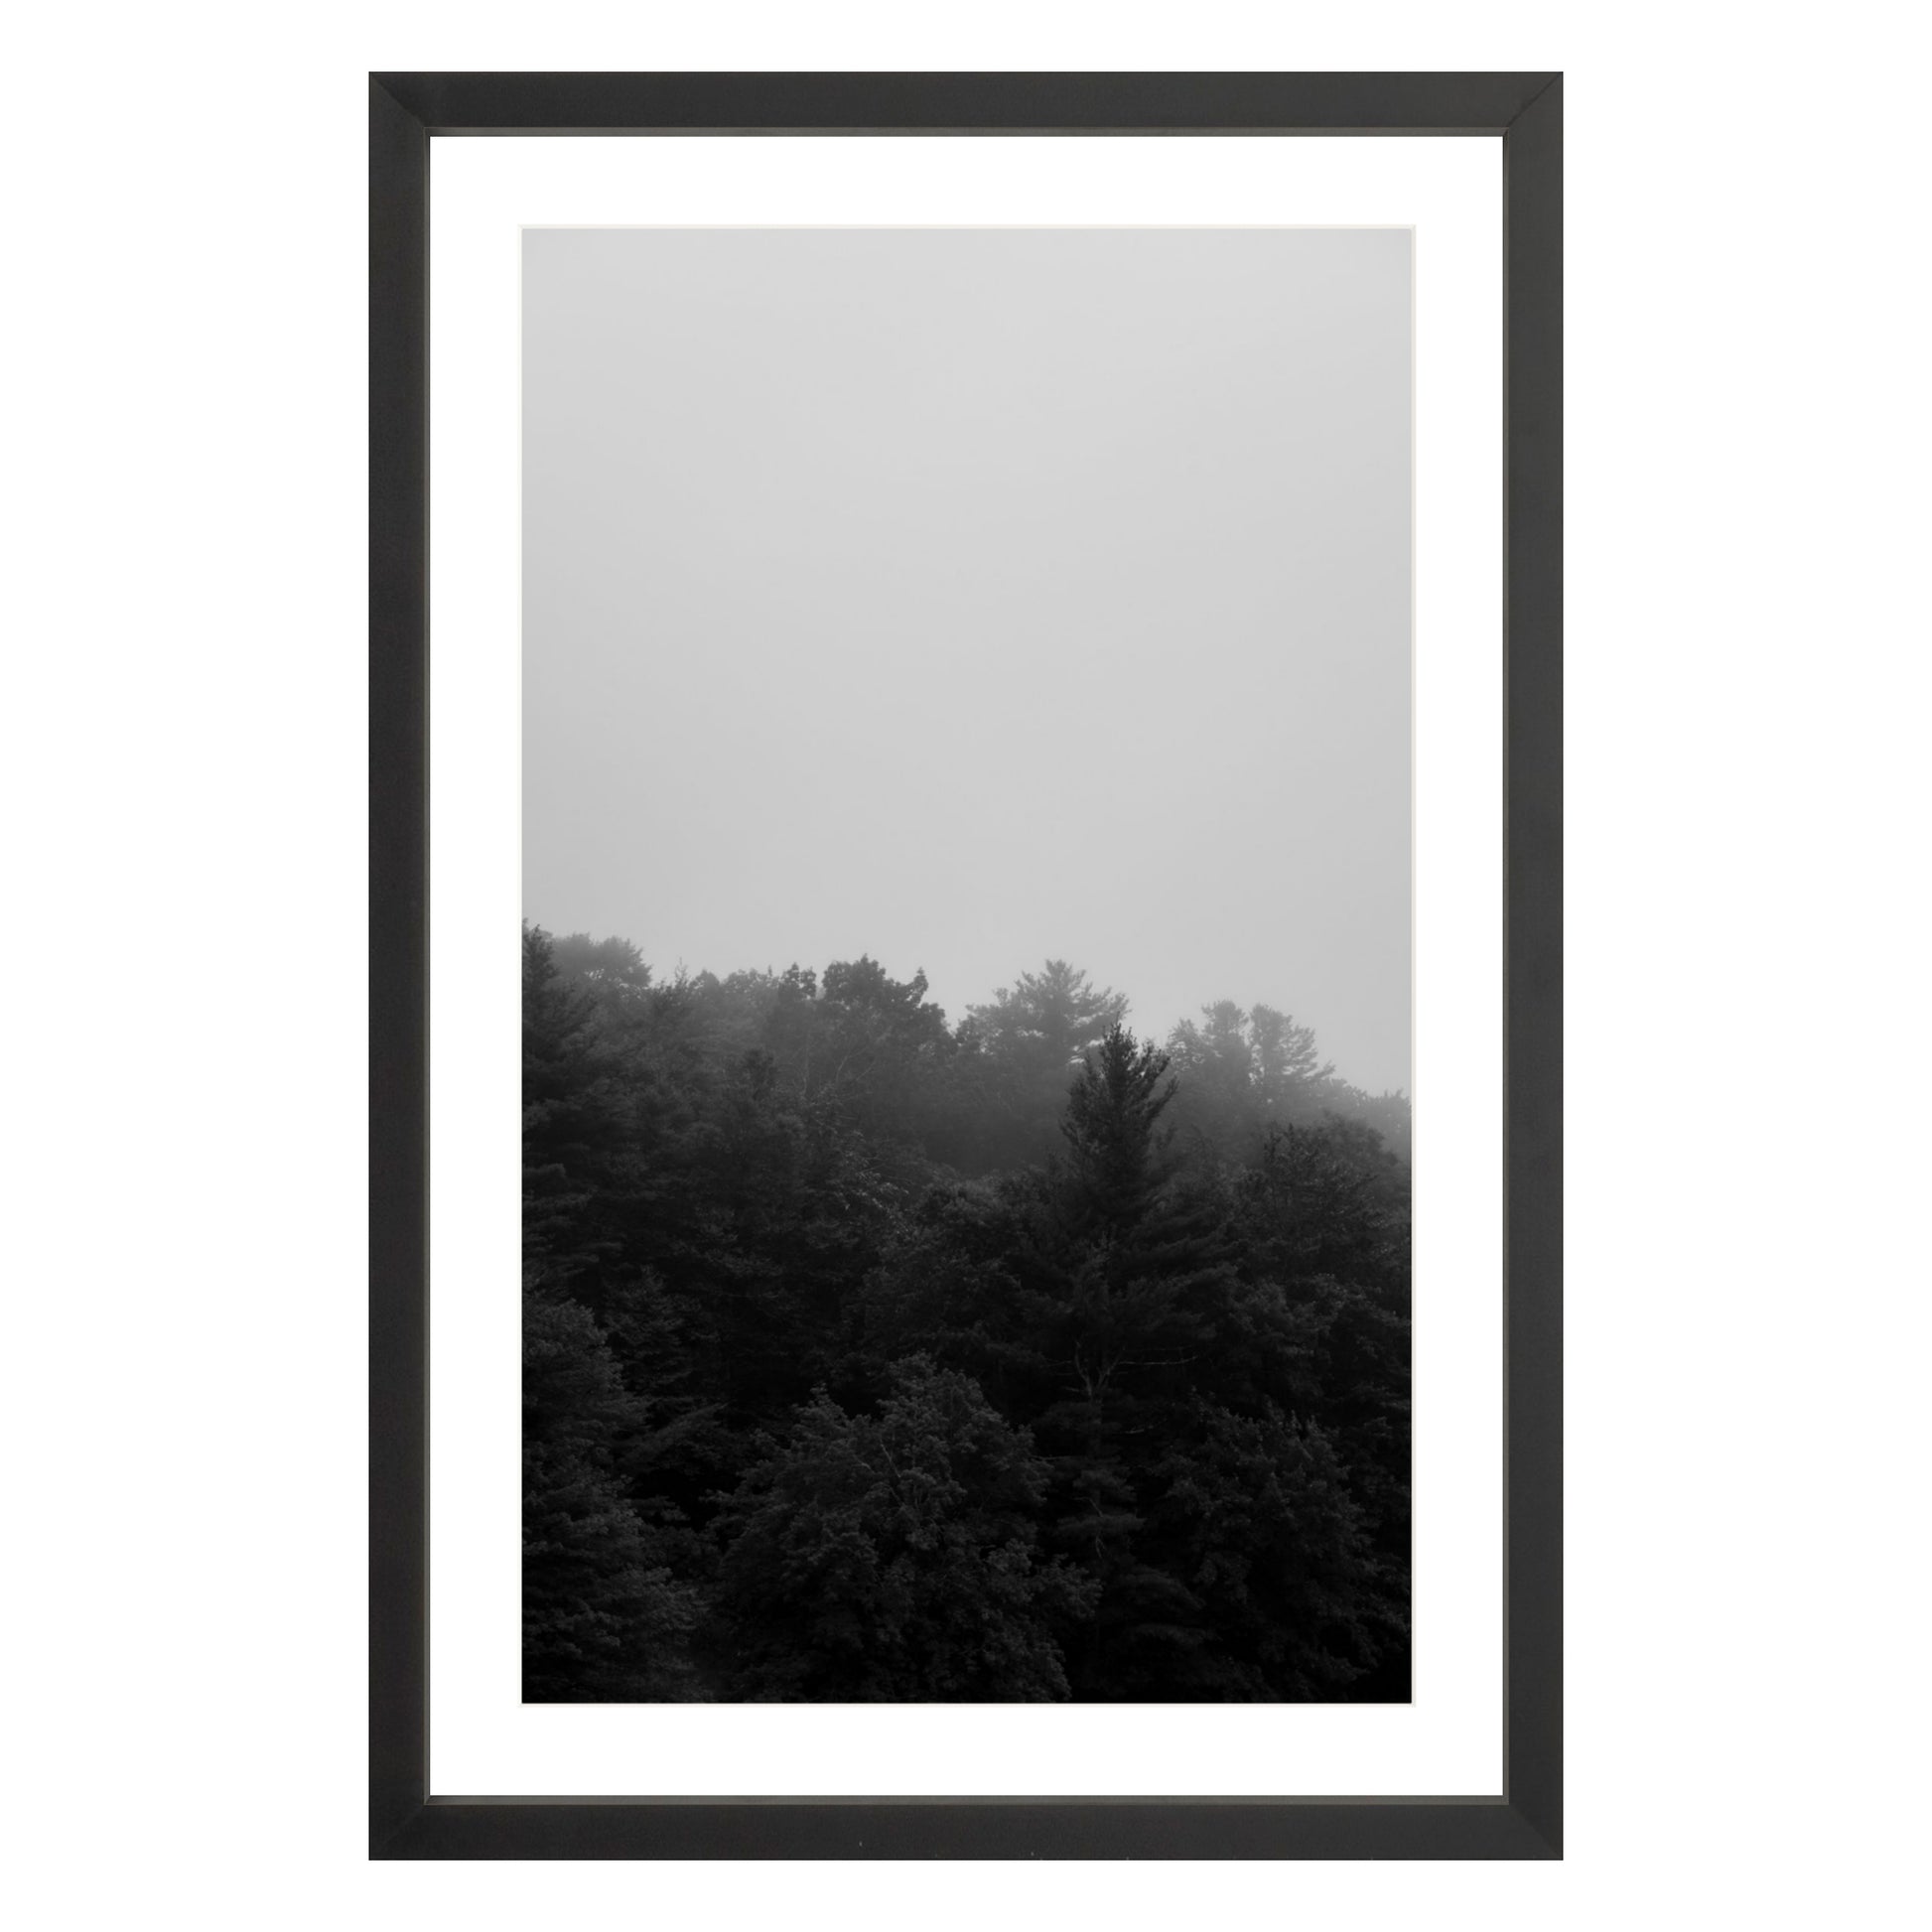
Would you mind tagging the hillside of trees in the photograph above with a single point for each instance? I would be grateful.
(868, 1356)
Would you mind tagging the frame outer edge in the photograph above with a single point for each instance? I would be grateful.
(1533, 970)
(406, 1823)
(953, 102)
(398, 962)
(1056, 1830)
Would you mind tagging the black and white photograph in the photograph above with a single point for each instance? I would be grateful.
(1179, 711)
(967, 965)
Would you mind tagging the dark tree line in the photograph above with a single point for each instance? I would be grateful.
(868, 1358)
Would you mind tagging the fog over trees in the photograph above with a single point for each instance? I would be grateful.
(874, 1355)
(964, 594)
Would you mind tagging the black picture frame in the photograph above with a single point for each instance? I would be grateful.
(407, 113)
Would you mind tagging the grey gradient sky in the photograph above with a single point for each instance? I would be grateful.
(973, 596)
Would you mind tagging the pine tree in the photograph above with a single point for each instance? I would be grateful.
(1031, 1039)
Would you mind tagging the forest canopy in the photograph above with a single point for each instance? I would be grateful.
(869, 1356)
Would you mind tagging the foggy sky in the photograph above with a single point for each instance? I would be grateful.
(973, 596)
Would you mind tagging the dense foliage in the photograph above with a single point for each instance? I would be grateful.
(868, 1357)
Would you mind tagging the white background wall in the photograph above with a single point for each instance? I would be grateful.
(183, 771)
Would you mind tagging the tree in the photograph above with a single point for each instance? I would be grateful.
(602, 1618)
(1136, 1271)
(611, 970)
(1110, 1125)
(1243, 1072)
(880, 1045)
(1285, 1058)
(867, 1358)
(575, 1126)
(1255, 1511)
(1325, 1215)
(894, 1557)
(1387, 1114)
(1033, 1036)
(1048, 1020)
(946, 1286)
(1329, 1199)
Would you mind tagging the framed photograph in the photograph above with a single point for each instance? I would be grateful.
(989, 1283)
